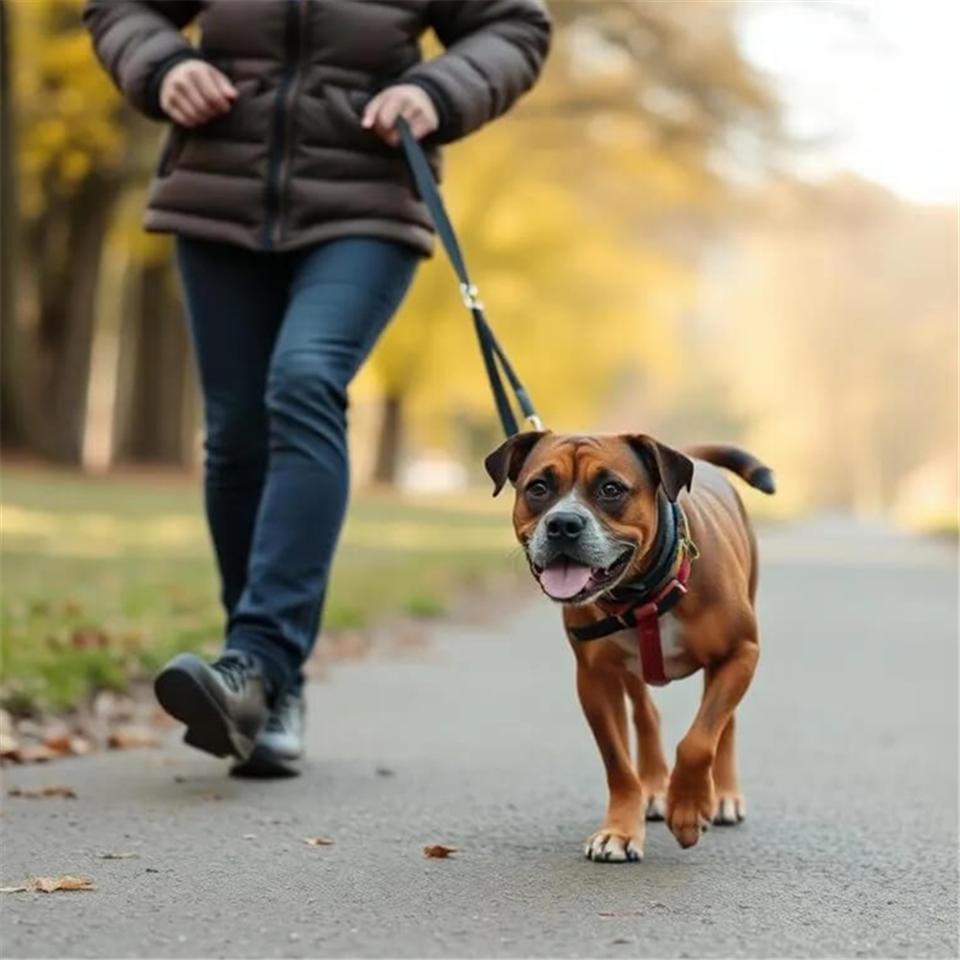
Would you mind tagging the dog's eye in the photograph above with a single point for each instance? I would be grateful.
(538, 490)
(612, 490)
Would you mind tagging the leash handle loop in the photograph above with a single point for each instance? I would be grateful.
(494, 359)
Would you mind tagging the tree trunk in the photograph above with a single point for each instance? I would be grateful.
(156, 422)
(390, 441)
(67, 279)
(12, 428)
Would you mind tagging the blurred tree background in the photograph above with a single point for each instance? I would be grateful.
(643, 254)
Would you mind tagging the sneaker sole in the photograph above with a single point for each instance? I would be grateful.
(181, 689)
(264, 764)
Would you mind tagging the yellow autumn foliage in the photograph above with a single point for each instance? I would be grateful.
(67, 109)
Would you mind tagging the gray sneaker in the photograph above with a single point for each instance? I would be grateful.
(222, 704)
(279, 746)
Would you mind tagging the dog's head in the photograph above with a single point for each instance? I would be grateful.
(586, 507)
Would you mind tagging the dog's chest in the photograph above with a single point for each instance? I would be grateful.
(676, 663)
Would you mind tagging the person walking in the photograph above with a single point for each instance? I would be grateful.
(298, 233)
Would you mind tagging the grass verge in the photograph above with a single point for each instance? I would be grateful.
(105, 579)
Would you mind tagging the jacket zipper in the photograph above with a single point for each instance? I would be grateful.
(279, 134)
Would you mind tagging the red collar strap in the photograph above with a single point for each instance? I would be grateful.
(646, 621)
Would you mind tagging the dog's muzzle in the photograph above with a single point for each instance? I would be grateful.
(573, 556)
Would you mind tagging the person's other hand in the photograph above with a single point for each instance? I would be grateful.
(404, 100)
(194, 92)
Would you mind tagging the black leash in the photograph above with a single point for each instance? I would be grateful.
(494, 358)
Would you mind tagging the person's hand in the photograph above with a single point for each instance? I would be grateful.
(404, 100)
(194, 92)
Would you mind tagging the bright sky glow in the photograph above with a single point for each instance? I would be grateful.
(884, 82)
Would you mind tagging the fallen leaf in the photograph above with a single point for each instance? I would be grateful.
(66, 743)
(48, 885)
(385, 772)
(118, 856)
(35, 753)
(9, 747)
(130, 738)
(59, 744)
(317, 841)
(67, 793)
(438, 851)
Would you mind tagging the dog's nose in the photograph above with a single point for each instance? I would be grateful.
(565, 526)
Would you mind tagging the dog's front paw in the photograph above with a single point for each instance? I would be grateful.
(690, 807)
(609, 845)
(730, 810)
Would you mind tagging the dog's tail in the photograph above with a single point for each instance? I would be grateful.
(744, 465)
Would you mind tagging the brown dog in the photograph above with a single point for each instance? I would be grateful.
(655, 583)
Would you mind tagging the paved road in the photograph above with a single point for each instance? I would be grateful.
(849, 760)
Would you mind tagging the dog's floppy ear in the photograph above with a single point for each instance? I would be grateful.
(505, 462)
(672, 469)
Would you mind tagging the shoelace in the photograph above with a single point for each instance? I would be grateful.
(234, 671)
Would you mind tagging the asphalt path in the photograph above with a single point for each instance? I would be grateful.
(848, 746)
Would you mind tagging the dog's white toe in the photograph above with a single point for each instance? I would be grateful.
(657, 807)
(730, 810)
(610, 848)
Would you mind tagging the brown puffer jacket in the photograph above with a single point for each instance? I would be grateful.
(290, 164)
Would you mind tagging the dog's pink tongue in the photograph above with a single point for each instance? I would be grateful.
(563, 579)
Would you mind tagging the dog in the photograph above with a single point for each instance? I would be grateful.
(652, 556)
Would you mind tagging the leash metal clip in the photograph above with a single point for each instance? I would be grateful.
(471, 296)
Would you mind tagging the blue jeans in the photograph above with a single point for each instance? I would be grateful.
(277, 339)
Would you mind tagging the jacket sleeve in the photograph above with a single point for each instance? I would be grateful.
(494, 53)
(138, 41)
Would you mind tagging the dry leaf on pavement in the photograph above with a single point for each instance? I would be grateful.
(317, 841)
(129, 738)
(438, 851)
(67, 793)
(34, 753)
(9, 747)
(65, 743)
(49, 885)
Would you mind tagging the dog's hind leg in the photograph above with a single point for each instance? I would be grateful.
(651, 763)
(731, 807)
